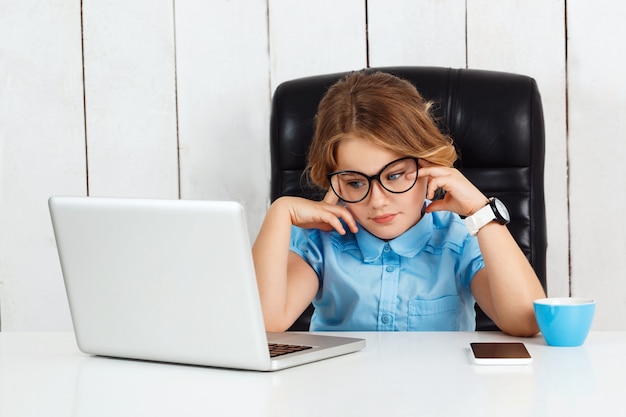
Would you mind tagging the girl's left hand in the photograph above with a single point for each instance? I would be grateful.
(462, 197)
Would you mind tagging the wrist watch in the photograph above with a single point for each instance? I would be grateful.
(495, 210)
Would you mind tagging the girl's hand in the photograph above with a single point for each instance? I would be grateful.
(462, 197)
(323, 215)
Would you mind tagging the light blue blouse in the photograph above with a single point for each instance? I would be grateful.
(417, 281)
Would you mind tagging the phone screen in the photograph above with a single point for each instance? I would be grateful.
(500, 353)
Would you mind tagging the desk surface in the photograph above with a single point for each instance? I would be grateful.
(397, 374)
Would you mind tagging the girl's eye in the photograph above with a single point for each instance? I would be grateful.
(395, 176)
(356, 184)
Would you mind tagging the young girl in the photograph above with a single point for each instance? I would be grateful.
(377, 253)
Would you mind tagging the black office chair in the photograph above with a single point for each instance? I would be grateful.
(495, 119)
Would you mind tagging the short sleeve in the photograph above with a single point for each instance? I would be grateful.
(307, 243)
(472, 260)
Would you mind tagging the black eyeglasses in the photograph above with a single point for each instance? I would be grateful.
(397, 177)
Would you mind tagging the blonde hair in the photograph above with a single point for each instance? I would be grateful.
(379, 107)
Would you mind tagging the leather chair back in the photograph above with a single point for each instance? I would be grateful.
(495, 119)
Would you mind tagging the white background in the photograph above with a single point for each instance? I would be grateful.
(163, 98)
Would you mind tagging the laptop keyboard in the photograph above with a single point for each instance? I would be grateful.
(278, 349)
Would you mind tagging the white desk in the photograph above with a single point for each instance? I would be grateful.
(397, 374)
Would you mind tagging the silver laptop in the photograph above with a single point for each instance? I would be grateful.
(171, 281)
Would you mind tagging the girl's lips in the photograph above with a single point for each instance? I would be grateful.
(385, 218)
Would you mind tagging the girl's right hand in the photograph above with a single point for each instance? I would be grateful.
(323, 215)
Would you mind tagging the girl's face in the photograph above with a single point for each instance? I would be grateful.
(384, 214)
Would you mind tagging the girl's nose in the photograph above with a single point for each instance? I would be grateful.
(378, 195)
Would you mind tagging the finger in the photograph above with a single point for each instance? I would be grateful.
(343, 213)
(438, 205)
(432, 171)
(332, 219)
(433, 185)
(330, 197)
(348, 218)
(423, 172)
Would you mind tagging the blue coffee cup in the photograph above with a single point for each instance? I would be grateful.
(564, 321)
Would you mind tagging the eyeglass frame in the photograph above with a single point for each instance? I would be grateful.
(373, 177)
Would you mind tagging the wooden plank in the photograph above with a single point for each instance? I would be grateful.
(512, 36)
(597, 101)
(42, 152)
(408, 32)
(325, 38)
(130, 98)
(223, 103)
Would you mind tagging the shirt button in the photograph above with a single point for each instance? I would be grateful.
(385, 319)
(387, 248)
(390, 269)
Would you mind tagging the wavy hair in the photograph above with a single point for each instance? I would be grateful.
(379, 107)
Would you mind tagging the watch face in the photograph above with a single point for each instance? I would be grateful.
(501, 210)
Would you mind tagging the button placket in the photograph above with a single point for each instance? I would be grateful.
(389, 289)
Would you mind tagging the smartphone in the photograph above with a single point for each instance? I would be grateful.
(500, 353)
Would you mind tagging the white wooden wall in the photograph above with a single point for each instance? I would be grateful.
(171, 98)
(596, 148)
